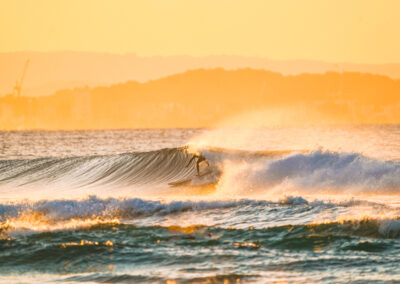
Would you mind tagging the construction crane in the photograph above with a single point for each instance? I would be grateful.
(18, 84)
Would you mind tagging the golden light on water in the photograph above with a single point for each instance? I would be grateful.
(28, 223)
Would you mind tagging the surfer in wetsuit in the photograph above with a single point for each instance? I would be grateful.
(200, 158)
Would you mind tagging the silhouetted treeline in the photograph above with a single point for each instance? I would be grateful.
(201, 97)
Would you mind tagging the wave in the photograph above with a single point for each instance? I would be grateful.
(94, 207)
(232, 170)
(318, 171)
(49, 215)
(92, 254)
(286, 234)
(128, 208)
(123, 169)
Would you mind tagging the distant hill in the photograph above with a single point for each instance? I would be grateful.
(50, 71)
(202, 97)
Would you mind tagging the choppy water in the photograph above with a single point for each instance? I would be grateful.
(279, 205)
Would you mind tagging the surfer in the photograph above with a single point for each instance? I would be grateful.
(200, 158)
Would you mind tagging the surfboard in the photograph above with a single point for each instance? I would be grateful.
(207, 172)
(180, 183)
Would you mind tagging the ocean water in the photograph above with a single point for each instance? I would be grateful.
(279, 204)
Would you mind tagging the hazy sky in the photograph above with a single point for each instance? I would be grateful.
(350, 30)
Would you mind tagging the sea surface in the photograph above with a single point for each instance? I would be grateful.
(278, 204)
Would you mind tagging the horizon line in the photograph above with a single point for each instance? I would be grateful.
(197, 56)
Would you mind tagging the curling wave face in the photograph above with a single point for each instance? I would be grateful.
(122, 169)
(240, 171)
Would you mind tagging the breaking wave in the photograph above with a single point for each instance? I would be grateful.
(318, 171)
(116, 171)
(50, 215)
(235, 171)
(94, 207)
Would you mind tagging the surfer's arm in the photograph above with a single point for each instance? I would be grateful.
(190, 161)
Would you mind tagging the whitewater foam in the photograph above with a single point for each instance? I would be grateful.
(315, 172)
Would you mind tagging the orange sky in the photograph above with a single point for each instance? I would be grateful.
(362, 31)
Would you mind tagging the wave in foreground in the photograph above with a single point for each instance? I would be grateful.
(31, 217)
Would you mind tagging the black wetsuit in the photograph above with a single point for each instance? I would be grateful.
(200, 158)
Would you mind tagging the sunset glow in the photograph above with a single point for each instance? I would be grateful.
(188, 141)
(354, 31)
